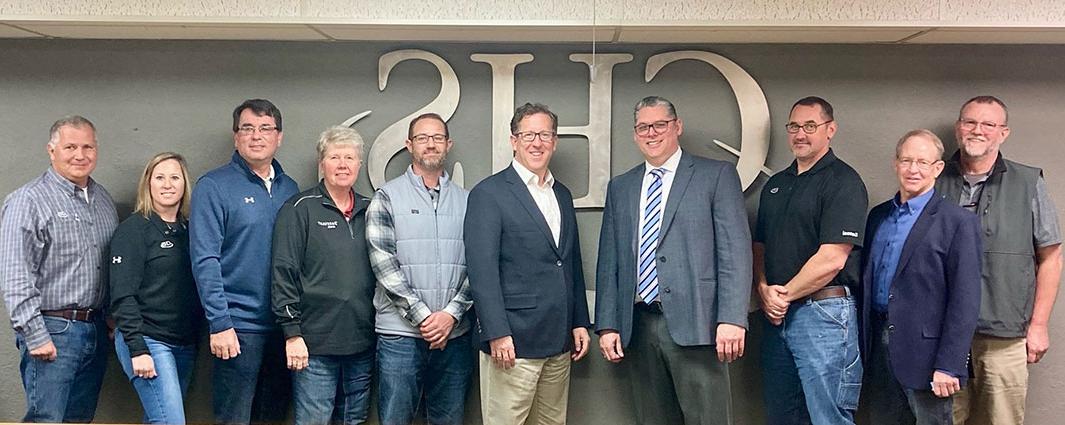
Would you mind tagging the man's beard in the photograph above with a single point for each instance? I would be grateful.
(432, 164)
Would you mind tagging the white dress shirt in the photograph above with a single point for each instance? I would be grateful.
(670, 168)
(544, 196)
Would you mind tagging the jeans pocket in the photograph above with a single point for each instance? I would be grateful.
(835, 310)
(56, 325)
(850, 387)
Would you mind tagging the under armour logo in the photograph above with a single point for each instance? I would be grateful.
(116, 260)
(249, 200)
(774, 190)
(166, 245)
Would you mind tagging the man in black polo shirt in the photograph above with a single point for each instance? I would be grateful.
(810, 222)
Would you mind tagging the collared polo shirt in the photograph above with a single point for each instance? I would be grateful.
(886, 248)
(798, 213)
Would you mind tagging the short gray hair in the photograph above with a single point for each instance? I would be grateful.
(76, 121)
(652, 101)
(339, 136)
(920, 132)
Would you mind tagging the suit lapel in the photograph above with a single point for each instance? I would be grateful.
(565, 229)
(630, 186)
(685, 171)
(918, 232)
(521, 192)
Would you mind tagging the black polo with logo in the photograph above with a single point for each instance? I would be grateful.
(798, 213)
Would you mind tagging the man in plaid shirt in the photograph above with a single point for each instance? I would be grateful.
(414, 227)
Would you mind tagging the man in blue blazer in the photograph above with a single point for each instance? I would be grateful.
(523, 258)
(674, 275)
(920, 292)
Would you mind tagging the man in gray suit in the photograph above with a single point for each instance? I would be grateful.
(674, 273)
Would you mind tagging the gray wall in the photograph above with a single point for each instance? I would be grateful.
(150, 96)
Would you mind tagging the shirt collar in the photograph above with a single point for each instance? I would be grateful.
(530, 178)
(821, 164)
(914, 205)
(68, 185)
(669, 166)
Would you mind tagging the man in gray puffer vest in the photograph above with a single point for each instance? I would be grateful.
(414, 230)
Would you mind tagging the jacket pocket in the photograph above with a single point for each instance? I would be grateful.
(519, 302)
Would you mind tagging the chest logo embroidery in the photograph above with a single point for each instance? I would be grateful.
(116, 260)
(166, 245)
(774, 190)
(62, 214)
(414, 211)
(328, 224)
(249, 200)
(851, 234)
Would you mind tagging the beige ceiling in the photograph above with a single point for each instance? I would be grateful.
(525, 33)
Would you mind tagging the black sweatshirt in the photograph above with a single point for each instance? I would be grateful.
(323, 285)
(152, 290)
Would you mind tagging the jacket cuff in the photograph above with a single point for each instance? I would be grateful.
(291, 329)
(137, 346)
(221, 324)
(418, 313)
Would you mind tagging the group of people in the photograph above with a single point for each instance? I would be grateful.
(941, 295)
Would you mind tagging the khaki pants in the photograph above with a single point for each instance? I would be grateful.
(996, 392)
(534, 391)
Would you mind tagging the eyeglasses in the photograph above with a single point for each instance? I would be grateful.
(421, 139)
(808, 128)
(659, 126)
(530, 136)
(249, 129)
(969, 125)
(922, 164)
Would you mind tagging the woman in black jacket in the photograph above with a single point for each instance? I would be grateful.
(323, 287)
(153, 295)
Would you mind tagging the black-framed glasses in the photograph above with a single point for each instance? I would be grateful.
(922, 164)
(249, 129)
(421, 139)
(530, 136)
(970, 125)
(808, 127)
(644, 129)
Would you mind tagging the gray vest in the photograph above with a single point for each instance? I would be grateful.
(1005, 209)
(429, 248)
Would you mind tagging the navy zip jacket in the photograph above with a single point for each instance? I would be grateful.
(230, 230)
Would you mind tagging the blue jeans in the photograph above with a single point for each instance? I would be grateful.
(811, 366)
(408, 369)
(328, 381)
(161, 397)
(254, 387)
(65, 390)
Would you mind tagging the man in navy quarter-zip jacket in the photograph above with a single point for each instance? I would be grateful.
(233, 212)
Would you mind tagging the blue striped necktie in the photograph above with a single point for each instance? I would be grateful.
(647, 287)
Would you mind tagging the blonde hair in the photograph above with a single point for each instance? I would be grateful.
(339, 135)
(144, 205)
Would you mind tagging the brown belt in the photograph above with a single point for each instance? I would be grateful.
(83, 315)
(828, 292)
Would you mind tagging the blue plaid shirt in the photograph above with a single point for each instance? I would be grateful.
(54, 241)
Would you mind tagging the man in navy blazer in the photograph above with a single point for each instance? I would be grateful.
(920, 292)
(523, 259)
(673, 280)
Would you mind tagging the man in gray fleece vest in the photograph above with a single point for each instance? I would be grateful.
(414, 229)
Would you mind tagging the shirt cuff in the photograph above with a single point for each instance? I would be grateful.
(36, 333)
(418, 313)
(221, 324)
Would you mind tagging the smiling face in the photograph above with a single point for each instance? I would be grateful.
(534, 155)
(430, 155)
(167, 185)
(73, 153)
(808, 148)
(981, 141)
(657, 146)
(257, 147)
(340, 166)
(917, 166)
